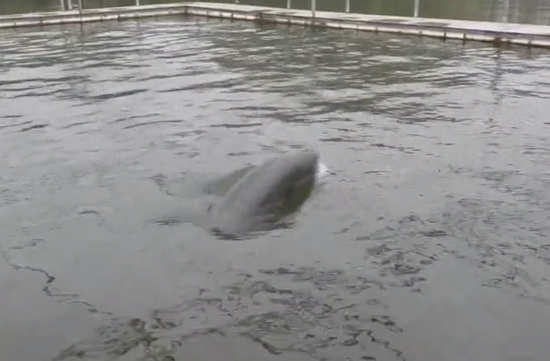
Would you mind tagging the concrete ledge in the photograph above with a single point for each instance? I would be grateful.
(91, 15)
(497, 33)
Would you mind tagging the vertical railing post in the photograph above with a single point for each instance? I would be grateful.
(80, 5)
(288, 4)
(506, 9)
(62, 5)
(69, 4)
(313, 6)
(416, 7)
(347, 6)
(137, 2)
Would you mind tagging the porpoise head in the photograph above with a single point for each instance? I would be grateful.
(267, 195)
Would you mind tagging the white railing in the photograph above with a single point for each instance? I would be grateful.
(415, 14)
(69, 5)
(347, 4)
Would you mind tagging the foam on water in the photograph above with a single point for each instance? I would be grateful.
(322, 172)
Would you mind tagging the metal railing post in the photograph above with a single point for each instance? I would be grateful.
(506, 9)
(416, 6)
(62, 5)
(313, 6)
(347, 6)
(288, 4)
(80, 5)
(137, 2)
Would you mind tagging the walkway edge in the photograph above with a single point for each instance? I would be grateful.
(496, 33)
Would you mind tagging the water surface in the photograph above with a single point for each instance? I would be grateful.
(430, 241)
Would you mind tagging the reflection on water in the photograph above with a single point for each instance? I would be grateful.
(430, 241)
(515, 11)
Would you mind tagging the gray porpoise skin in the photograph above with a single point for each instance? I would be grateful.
(267, 194)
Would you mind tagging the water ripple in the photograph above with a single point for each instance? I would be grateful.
(439, 153)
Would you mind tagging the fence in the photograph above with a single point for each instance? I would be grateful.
(520, 11)
(416, 7)
(347, 6)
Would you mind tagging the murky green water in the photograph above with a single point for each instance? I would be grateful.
(519, 11)
(430, 241)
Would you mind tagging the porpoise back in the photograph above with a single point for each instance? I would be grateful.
(266, 194)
